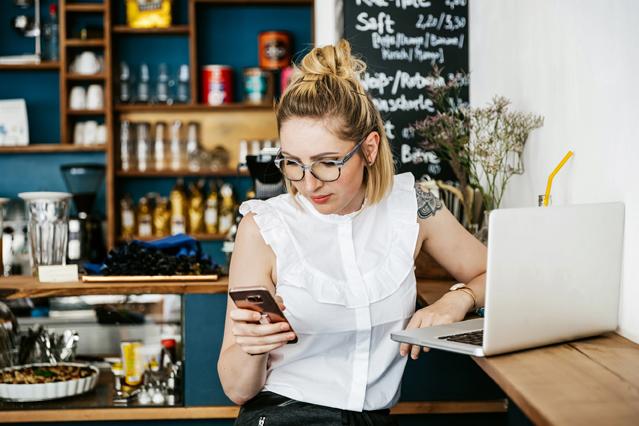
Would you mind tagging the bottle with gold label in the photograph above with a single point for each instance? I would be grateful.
(145, 219)
(162, 218)
(227, 209)
(179, 203)
(127, 213)
(211, 210)
(196, 208)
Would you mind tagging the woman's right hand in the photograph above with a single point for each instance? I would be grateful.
(259, 339)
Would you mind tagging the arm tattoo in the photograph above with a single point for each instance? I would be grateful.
(427, 203)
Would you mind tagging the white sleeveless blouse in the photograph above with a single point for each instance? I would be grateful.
(347, 282)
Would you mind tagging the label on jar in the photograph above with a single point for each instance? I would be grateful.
(210, 216)
(146, 227)
(226, 222)
(128, 218)
(178, 225)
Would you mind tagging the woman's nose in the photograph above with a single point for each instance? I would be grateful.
(311, 183)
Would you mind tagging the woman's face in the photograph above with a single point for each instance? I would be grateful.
(306, 140)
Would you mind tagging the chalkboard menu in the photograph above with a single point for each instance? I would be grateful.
(401, 40)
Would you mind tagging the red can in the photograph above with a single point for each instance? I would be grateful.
(217, 84)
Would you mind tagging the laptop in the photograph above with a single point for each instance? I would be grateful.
(553, 275)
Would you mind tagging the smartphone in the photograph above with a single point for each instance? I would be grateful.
(261, 300)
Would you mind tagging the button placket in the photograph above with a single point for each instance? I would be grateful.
(357, 290)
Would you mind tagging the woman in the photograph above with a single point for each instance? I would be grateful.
(338, 251)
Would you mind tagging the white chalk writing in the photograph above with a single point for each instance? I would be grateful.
(381, 24)
(403, 104)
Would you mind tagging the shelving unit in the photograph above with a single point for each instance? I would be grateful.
(42, 66)
(181, 173)
(199, 237)
(172, 30)
(50, 148)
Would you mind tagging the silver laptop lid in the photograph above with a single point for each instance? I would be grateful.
(553, 274)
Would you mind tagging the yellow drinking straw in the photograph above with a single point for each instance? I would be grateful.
(552, 175)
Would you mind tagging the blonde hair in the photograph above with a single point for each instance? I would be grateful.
(325, 86)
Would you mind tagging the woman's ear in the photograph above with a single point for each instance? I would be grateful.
(371, 147)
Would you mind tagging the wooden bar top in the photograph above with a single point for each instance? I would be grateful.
(17, 287)
(591, 381)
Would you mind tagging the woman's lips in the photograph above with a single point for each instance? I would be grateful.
(321, 200)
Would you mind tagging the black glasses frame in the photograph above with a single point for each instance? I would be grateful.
(339, 164)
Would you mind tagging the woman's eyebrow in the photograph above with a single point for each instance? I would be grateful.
(323, 154)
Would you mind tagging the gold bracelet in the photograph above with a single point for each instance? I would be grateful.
(469, 291)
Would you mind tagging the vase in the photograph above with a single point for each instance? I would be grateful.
(482, 234)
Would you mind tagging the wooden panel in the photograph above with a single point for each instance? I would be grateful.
(85, 43)
(194, 107)
(199, 237)
(86, 111)
(49, 148)
(174, 30)
(261, 2)
(42, 66)
(225, 128)
(87, 7)
(17, 287)
(430, 291)
(451, 407)
(426, 267)
(62, 34)
(82, 77)
(228, 412)
(588, 382)
(181, 173)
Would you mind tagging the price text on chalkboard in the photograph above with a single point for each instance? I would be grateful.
(401, 40)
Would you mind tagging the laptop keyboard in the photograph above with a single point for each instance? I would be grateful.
(471, 338)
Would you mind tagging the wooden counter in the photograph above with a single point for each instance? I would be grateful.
(25, 286)
(17, 287)
(586, 382)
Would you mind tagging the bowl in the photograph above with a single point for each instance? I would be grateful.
(47, 391)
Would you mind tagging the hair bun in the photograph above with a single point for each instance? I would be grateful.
(329, 61)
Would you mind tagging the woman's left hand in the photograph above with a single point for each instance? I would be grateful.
(452, 307)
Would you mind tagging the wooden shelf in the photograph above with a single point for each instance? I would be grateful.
(199, 237)
(192, 107)
(86, 111)
(50, 148)
(97, 42)
(221, 411)
(18, 287)
(260, 2)
(173, 30)
(86, 77)
(182, 173)
(86, 7)
(42, 66)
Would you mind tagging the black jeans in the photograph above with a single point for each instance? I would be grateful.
(271, 409)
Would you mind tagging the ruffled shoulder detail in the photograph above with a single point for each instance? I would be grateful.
(399, 262)
(354, 290)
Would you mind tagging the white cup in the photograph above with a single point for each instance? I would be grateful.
(95, 97)
(86, 63)
(78, 134)
(101, 134)
(77, 99)
(90, 132)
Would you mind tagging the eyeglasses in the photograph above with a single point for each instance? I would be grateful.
(324, 170)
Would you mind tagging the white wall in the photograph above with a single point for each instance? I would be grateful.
(576, 63)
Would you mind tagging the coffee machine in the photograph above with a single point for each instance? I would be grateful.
(86, 243)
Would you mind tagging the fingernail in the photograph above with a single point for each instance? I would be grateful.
(402, 353)
(290, 336)
(414, 356)
(284, 326)
(257, 316)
